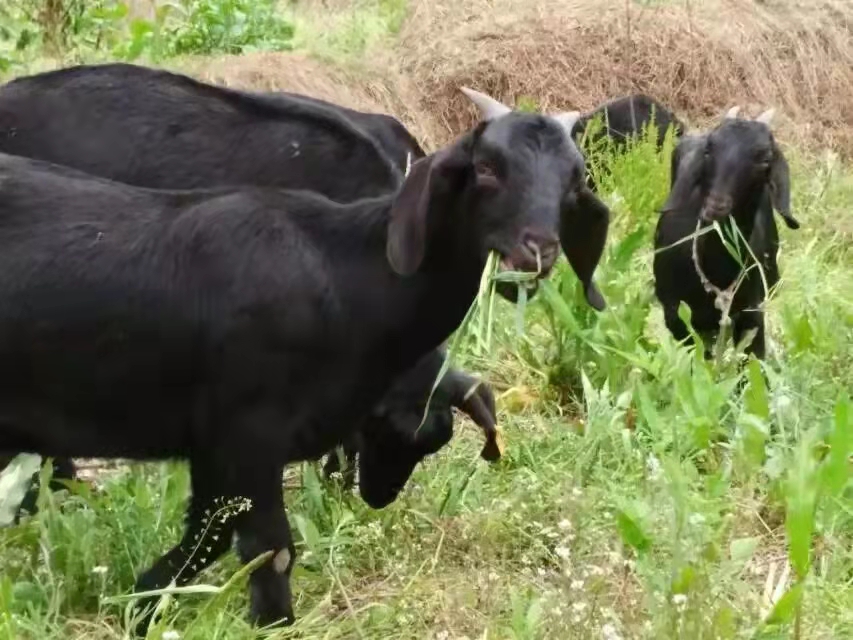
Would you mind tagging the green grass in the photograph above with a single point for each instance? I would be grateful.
(640, 495)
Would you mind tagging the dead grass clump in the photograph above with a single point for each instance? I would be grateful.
(374, 89)
(697, 57)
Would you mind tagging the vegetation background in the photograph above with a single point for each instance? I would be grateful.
(641, 495)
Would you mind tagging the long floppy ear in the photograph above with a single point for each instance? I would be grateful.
(584, 221)
(780, 188)
(429, 178)
(685, 172)
(477, 400)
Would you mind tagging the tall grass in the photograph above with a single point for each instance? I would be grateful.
(642, 493)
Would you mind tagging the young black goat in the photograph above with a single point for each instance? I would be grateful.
(400, 441)
(734, 173)
(244, 328)
(154, 128)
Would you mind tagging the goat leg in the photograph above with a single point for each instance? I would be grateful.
(211, 521)
(265, 528)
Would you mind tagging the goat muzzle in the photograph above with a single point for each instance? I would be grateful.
(717, 207)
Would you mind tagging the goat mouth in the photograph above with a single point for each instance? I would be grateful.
(714, 215)
(530, 260)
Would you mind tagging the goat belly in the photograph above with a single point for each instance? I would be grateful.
(108, 388)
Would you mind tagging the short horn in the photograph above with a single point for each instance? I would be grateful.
(489, 107)
(731, 114)
(766, 117)
(567, 120)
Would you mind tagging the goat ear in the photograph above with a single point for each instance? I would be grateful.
(685, 171)
(780, 188)
(476, 399)
(584, 221)
(407, 227)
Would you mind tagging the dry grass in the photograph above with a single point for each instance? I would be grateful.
(699, 57)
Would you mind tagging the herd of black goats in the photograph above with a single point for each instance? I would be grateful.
(246, 280)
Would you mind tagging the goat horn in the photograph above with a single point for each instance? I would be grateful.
(731, 114)
(766, 117)
(489, 107)
(567, 120)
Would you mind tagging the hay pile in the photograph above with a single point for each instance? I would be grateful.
(697, 56)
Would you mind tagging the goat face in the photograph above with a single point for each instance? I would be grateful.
(393, 444)
(514, 185)
(393, 440)
(732, 165)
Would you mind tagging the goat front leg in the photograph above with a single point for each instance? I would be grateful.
(265, 528)
(211, 520)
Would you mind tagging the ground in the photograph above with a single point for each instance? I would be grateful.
(640, 495)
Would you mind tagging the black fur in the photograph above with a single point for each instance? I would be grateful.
(735, 171)
(244, 328)
(158, 129)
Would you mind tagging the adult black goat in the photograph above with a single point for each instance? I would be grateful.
(735, 173)
(154, 128)
(244, 328)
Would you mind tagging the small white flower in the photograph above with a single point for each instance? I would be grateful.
(493, 576)
(442, 635)
(696, 519)
(576, 492)
(100, 570)
(563, 552)
(579, 606)
(564, 524)
(577, 584)
(171, 634)
(679, 600)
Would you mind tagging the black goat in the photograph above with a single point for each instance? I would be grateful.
(625, 117)
(244, 328)
(154, 128)
(393, 137)
(400, 440)
(735, 172)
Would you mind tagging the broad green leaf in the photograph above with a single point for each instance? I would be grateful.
(631, 532)
(309, 532)
(836, 469)
(801, 496)
(755, 395)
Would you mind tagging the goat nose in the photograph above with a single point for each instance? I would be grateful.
(545, 245)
